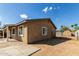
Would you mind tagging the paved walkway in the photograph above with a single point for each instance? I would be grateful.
(16, 48)
(18, 51)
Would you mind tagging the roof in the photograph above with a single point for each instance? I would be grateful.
(69, 30)
(29, 20)
(9, 25)
(41, 19)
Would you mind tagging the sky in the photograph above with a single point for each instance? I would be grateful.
(60, 13)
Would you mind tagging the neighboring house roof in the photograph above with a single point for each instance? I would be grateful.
(41, 19)
(69, 30)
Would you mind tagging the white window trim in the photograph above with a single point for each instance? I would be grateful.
(12, 30)
(45, 32)
(23, 30)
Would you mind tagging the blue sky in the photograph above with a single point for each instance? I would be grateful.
(60, 14)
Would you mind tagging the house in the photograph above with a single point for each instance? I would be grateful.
(67, 33)
(30, 30)
(9, 31)
(77, 34)
(59, 33)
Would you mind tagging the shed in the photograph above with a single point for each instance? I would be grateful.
(67, 33)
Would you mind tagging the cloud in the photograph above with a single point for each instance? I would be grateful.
(45, 10)
(24, 16)
(50, 8)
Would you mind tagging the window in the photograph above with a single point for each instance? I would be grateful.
(44, 31)
(13, 31)
(20, 30)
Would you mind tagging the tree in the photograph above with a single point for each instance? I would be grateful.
(72, 26)
(75, 27)
(63, 28)
(75, 24)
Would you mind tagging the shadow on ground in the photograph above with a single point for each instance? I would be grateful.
(53, 41)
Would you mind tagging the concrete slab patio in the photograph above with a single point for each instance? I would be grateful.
(16, 48)
(18, 51)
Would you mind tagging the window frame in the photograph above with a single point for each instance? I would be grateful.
(46, 31)
(21, 34)
(12, 31)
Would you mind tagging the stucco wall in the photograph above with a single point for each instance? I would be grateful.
(35, 30)
(67, 33)
(13, 36)
(23, 38)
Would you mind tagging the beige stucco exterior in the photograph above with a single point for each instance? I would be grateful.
(67, 33)
(8, 31)
(35, 30)
(32, 31)
(24, 37)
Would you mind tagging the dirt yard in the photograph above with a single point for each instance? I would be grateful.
(57, 47)
(50, 47)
